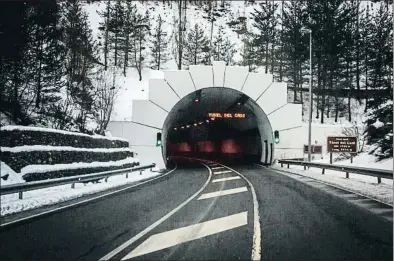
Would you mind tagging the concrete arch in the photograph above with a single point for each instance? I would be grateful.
(148, 116)
(257, 119)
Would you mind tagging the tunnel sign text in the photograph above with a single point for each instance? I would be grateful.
(226, 115)
(342, 144)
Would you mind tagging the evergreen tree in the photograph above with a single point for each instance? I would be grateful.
(223, 48)
(104, 31)
(381, 70)
(141, 31)
(159, 48)
(116, 26)
(80, 61)
(196, 47)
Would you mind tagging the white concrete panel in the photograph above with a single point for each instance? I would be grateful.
(148, 155)
(288, 116)
(162, 94)
(202, 76)
(218, 73)
(116, 129)
(274, 97)
(256, 84)
(140, 135)
(235, 76)
(180, 81)
(145, 112)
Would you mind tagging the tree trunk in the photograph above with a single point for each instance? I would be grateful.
(116, 49)
(358, 52)
(180, 43)
(318, 86)
(323, 98)
(281, 47)
(300, 86)
(106, 37)
(140, 58)
(126, 53)
(210, 47)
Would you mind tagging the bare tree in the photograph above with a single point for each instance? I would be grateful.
(356, 130)
(106, 90)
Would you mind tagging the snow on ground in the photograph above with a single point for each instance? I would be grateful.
(41, 129)
(26, 148)
(11, 204)
(365, 185)
(75, 165)
(12, 177)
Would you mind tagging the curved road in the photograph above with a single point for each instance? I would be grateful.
(202, 212)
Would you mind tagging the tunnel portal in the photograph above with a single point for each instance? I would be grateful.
(219, 124)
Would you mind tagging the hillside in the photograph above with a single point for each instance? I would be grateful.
(79, 64)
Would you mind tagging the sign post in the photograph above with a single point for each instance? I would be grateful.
(342, 144)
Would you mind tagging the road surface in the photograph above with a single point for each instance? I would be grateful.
(206, 212)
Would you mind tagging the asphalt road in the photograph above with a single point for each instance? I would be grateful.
(198, 214)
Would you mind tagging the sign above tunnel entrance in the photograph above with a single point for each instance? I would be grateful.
(227, 115)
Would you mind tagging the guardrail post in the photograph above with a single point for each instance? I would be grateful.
(106, 179)
(72, 185)
(379, 180)
(288, 165)
(127, 175)
(304, 167)
(322, 171)
(281, 165)
(140, 172)
(20, 194)
(347, 175)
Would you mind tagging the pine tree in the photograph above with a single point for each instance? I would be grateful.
(104, 31)
(223, 48)
(265, 21)
(159, 48)
(80, 61)
(141, 30)
(381, 69)
(249, 53)
(196, 47)
(116, 26)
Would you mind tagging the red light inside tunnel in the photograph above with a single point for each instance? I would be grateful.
(230, 146)
(206, 146)
(184, 146)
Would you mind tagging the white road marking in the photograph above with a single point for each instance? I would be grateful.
(181, 235)
(222, 193)
(158, 222)
(218, 168)
(225, 179)
(86, 200)
(222, 172)
(256, 248)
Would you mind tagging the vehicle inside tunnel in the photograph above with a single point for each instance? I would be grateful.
(219, 124)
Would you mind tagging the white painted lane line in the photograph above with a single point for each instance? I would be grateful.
(222, 193)
(217, 168)
(158, 222)
(222, 172)
(225, 179)
(181, 235)
(87, 200)
(256, 247)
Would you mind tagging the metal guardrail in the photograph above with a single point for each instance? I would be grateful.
(379, 173)
(33, 185)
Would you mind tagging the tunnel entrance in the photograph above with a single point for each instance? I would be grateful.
(220, 124)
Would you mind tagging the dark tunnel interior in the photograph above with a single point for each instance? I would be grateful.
(219, 124)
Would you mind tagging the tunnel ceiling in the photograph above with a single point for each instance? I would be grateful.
(213, 100)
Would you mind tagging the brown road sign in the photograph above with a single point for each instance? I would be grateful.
(342, 144)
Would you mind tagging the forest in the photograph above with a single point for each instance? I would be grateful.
(54, 73)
